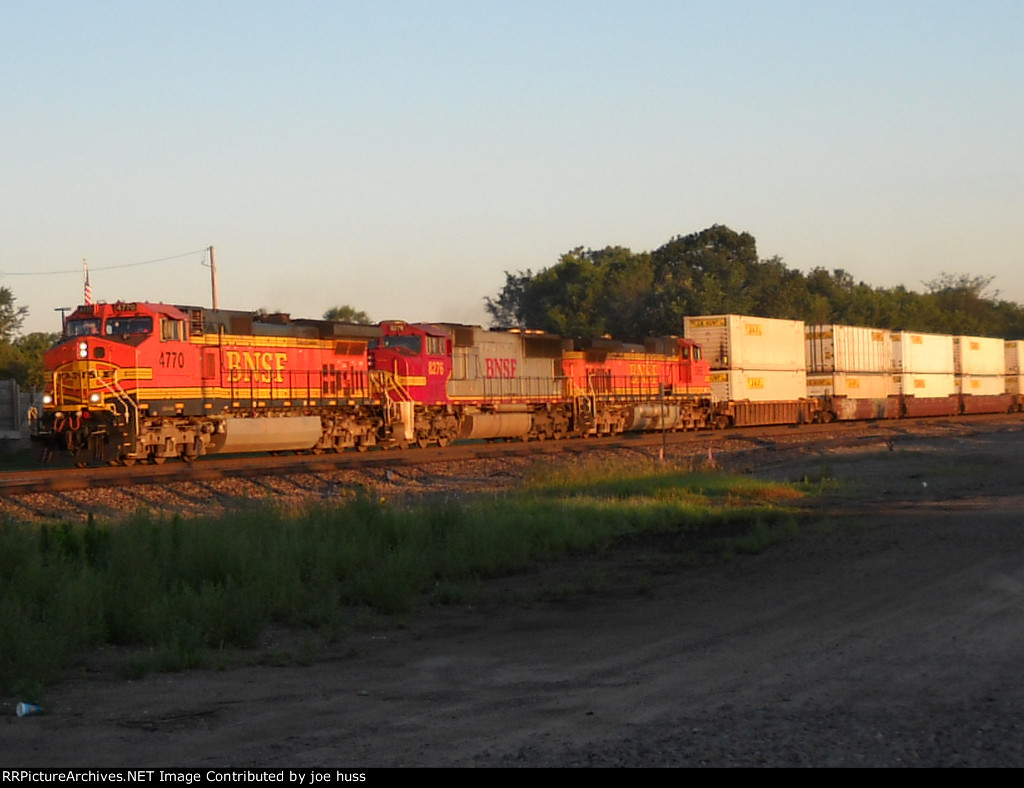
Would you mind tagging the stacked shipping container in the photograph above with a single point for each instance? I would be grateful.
(924, 364)
(849, 361)
(752, 358)
(852, 367)
(980, 364)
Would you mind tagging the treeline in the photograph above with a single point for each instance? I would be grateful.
(21, 357)
(637, 294)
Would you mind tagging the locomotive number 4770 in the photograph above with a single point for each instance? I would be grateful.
(172, 360)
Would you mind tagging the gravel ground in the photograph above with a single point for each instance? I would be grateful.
(888, 633)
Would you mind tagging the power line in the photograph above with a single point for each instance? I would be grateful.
(105, 267)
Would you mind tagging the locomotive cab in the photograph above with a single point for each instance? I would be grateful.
(412, 364)
(417, 358)
(690, 373)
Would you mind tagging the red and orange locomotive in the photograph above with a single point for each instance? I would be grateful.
(144, 381)
(134, 381)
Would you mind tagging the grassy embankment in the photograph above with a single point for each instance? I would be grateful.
(179, 592)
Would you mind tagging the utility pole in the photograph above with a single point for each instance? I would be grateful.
(213, 277)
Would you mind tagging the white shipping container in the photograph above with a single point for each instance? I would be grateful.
(928, 354)
(761, 385)
(837, 348)
(859, 385)
(979, 356)
(740, 342)
(925, 384)
(982, 385)
(1014, 374)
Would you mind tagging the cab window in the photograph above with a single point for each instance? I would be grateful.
(172, 330)
(435, 346)
(82, 327)
(413, 343)
(123, 326)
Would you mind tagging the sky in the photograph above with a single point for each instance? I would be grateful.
(399, 156)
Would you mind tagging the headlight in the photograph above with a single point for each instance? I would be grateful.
(47, 399)
(83, 350)
(95, 398)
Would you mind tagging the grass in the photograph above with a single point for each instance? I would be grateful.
(176, 593)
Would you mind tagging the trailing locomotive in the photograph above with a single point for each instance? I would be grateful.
(465, 382)
(144, 381)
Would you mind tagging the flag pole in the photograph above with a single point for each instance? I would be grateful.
(88, 286)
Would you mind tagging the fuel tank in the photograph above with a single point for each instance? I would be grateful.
(293, 433)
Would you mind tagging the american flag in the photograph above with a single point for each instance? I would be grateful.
(88, 287)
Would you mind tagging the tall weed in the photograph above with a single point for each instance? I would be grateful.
(176, 590)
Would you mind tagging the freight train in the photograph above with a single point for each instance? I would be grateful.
(135, 381)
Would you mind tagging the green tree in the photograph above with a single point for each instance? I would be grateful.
(702, 273)
(31, 347)
(347, 314)
(626, 282)
(508, 310)
(22, 359)
(11, 316)
(564, 298)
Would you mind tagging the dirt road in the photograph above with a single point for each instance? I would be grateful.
(890, 632)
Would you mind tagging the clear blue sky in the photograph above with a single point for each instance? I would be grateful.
(399, 156)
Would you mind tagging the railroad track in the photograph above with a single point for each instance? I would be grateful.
(69, 478)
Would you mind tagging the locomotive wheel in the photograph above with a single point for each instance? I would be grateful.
(443, 441)
(157, 460)
(423, 442)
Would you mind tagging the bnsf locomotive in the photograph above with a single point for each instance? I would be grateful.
(146, 381)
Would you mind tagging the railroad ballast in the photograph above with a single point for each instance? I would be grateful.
(135, 381)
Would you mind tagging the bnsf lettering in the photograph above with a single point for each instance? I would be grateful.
(643, 370)
(172, 360)
(501, 367)
(246, 367)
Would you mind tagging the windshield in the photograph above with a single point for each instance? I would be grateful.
(82, 328)
(120, 326)
(415, 344)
